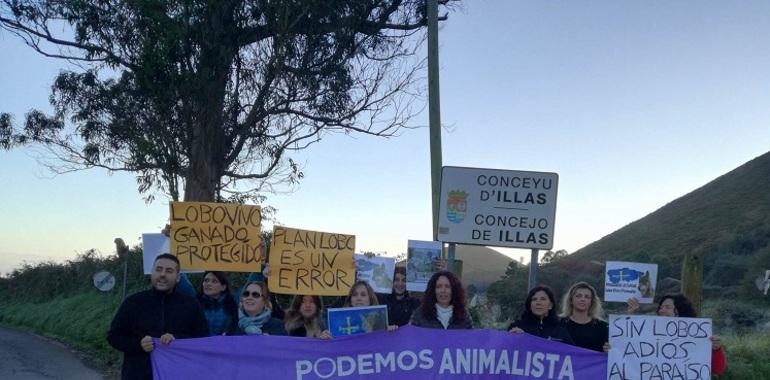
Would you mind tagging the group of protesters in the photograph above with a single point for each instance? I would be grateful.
(169, 310)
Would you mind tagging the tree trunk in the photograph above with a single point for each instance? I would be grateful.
(692, 280)
(208, 144)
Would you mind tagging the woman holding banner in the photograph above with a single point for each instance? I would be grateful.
(361, 294)
(218, 304)
(443, 304)
(304, 318)
(677, 305)
(581, 315)
(539, 317)
(255, 313)
(400, 304)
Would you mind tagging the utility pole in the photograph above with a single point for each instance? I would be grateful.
(434, 111)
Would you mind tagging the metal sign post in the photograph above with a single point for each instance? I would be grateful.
(532, 270)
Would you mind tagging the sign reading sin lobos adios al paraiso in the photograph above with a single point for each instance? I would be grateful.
(502, 208)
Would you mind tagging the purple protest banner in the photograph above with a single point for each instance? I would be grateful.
(408, 353)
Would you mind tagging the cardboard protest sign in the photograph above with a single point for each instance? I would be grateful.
(625, 280)
(420, 263)
(357, 320)
(378, 271)
(216, 236)
(646, 347)
(154, 245)
(311, 262)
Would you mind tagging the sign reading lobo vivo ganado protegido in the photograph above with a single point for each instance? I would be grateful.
(502, 208)
(216, 236)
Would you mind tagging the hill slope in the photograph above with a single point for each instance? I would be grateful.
(481, 265)
(727, 221)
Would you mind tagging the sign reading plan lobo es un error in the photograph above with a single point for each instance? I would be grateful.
(501, 208)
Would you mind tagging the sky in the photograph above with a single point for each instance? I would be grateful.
(633, 104)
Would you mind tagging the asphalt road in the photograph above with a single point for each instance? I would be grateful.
(25, 356)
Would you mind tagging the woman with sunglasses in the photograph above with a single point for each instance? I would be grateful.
(255, 312)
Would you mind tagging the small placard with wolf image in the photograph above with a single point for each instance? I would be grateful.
(624, 280)
(357, 320)
(421, 263)
(377, 271)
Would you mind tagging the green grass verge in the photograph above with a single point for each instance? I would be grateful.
(81, 321)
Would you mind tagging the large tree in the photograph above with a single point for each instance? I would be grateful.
(201, 94)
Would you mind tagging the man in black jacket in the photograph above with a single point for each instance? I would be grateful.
(157, 312)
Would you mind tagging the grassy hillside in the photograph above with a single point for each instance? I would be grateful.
(727, 221)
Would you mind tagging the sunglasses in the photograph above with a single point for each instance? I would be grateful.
(253, 294)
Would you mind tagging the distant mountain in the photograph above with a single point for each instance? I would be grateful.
(727, 221)
(481, 265)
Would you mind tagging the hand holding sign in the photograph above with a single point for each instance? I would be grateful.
(658, 347)
(216, 236)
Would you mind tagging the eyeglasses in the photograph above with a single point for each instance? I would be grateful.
(253, 294)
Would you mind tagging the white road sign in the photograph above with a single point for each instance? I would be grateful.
(499, 208)
(104, 281)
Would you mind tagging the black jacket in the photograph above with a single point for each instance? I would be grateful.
(591, 335)
(547, 328)
(152, 313)
(420, 320)
(399, 310)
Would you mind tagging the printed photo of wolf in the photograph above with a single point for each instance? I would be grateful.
(419, 264)
(646, 288)
(374, 321)
(381, 278)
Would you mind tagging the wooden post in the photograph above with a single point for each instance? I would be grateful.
(692, 280)
(434, 111)
(122, 250)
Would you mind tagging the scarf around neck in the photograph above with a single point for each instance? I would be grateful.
(444, 314)
(253, 325)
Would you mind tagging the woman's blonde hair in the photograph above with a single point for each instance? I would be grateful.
(595, 311)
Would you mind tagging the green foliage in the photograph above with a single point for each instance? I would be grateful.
(38, 283)
(207, 93)
(747, 357)
(510, 292)
(60, 301)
